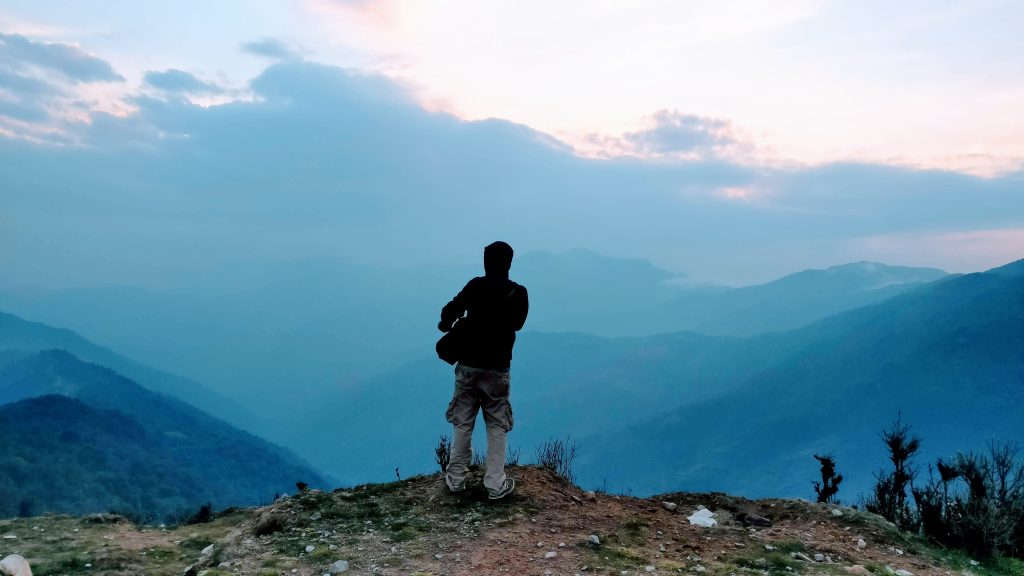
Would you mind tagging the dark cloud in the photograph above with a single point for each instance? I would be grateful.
(69, 61)
(325, 161)
(672, 132)
(175, 81)
(271, 48)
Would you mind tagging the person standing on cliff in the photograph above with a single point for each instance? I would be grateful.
(490, 310)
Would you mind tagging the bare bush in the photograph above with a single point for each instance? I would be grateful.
(443, 452)
(557, 455)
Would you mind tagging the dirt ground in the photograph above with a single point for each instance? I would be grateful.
(415, 527)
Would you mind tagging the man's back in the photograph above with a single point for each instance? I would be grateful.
(495, 309)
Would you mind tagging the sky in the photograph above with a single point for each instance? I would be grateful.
(735, 141)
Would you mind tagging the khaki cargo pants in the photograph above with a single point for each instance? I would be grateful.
(477, 389)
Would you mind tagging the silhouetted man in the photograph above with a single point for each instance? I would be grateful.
(495, 309)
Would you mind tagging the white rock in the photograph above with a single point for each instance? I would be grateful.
(861, 544)
(594, 540)
(10, 537)
(15, 565)
(699, 568)
(338, 567)
(208, 550)
(837, 512)
(438, 556)
(904, 573)
(819, 557)
(703, 517)
(670, 506)
(769, 547)
(310, 548)
(550, 554)
(648, 568)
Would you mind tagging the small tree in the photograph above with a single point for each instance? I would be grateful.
(443, 452)
(829, 485)
(889, 497)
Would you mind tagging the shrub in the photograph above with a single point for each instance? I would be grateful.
(557, 455)
(889, 497)
(976, 503)
(443, 452)
(829, 485)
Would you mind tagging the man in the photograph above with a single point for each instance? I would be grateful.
(495, 309)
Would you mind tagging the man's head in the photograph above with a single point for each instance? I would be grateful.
(497, 259)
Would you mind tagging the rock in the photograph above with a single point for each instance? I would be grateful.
(191, 571)
(670, 506)
(858, 570)
(753, 520)
(703, 517)
(889, 569)
(837, 512)
(769, 547)
(269, 522)
(819, 557)
(338, 567)
(438, 556)
(10, 537)
(315, 516)
(594, 540)
(103, 519)
(861, 544)
(699, 568)
(801, 556)
(208, 550)
(310, 548)
(15, 565)
(904, 573)
(648, 568)
(590, 495)
(550, 554)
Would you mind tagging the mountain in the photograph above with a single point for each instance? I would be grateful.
(324, 325)
(548, 525)
(948, 358)
(128, 441)
(784, 304)
(18, 337)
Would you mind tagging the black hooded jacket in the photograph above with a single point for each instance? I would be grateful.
(495, 309)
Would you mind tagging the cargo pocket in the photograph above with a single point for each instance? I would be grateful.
(509, 421)
(449, 414)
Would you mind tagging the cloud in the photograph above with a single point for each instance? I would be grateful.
(271, 48)
(173, 81)
(73, 63)
(671, 134)
(324, 161)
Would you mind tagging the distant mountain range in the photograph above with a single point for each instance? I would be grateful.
(319, 326)
(78, 437)
(949, 358)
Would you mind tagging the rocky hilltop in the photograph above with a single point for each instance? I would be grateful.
(548, 527)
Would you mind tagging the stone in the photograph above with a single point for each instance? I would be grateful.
(904, 573)
(699, 568)
(858, 570)
(594, 540)
(310, 548)
(670, 506)
(438, 556)
(801, 556)
(861, 544)
(15, 565)
(837, 512)
(338, 567)
(703, 517)
(648, 568)
(550, 554)
(590, 495)
(819, 557)
(208, 550)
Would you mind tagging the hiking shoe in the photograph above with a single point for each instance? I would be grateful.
(454, 488)
(505, 490)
